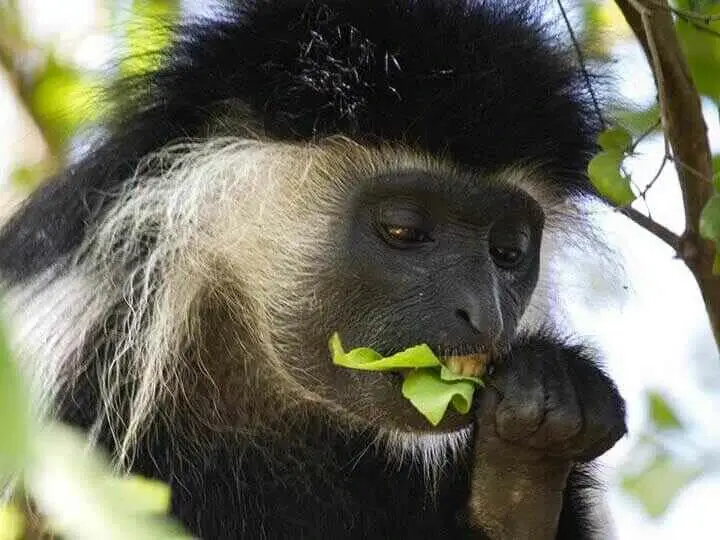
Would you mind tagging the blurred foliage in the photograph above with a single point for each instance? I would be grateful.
(656, 474)
(662, 417)
(659, 482)
(604, 25)
(54, 92)
(12, 523)
(148, 32)
(76, 498)
(60, 100)
(14, 419)
(61, 96)
(700, 39)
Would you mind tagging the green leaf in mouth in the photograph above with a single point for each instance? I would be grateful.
(429, 385)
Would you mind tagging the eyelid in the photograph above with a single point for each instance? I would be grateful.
(512, 231)
(405, 216)
(408, 216)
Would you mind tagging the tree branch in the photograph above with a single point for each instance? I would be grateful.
(685, 129)
(659, 230)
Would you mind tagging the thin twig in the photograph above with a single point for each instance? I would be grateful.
(702, 28)
(656, 124)
(650, 184)
(583, 66)
(649, 224)
(685, 14)
(656, 61)
(696, 20)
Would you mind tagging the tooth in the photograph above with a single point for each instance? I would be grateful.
(469, 367)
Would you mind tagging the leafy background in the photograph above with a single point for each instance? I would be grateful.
(664, 479)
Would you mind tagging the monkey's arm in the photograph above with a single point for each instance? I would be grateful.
(546, 408)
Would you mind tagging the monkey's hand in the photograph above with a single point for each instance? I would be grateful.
(545, 407)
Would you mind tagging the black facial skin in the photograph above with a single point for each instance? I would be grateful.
(443, 258)
(447, 260)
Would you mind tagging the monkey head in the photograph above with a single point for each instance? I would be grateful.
(389, 249)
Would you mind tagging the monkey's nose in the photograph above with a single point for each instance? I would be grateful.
(486, 323)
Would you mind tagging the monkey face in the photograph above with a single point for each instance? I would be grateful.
(441, 258)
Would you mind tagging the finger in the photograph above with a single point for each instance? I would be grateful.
(563, 416)
(602, 408)
(521, 408)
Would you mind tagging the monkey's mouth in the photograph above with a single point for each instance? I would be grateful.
(464, 363)
(475, 364)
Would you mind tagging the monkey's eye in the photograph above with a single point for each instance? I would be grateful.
(504, 256)
(408, 235)
(508, 245)
(404, 224)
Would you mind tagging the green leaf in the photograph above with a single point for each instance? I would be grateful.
(710, 219)
(365, 358)
(431, 396)
(615, 139)
(659, 483)
(639, 122)
(62, 99)
(14, 413)
(147, 496)
(430, 386)
(716, 170)
(12, 522)
(605, 175)
(80, 497)
(147, 34)
(702, 48)
(661, 414)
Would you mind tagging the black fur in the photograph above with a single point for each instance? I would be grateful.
(479, 82)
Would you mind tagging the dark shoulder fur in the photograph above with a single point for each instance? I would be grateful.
(482, 83)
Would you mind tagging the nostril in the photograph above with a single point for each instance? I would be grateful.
(482, 323)
(461, 313)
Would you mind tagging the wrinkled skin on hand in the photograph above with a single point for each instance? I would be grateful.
(544, 409)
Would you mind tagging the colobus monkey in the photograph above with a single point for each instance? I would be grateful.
(386, 169)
